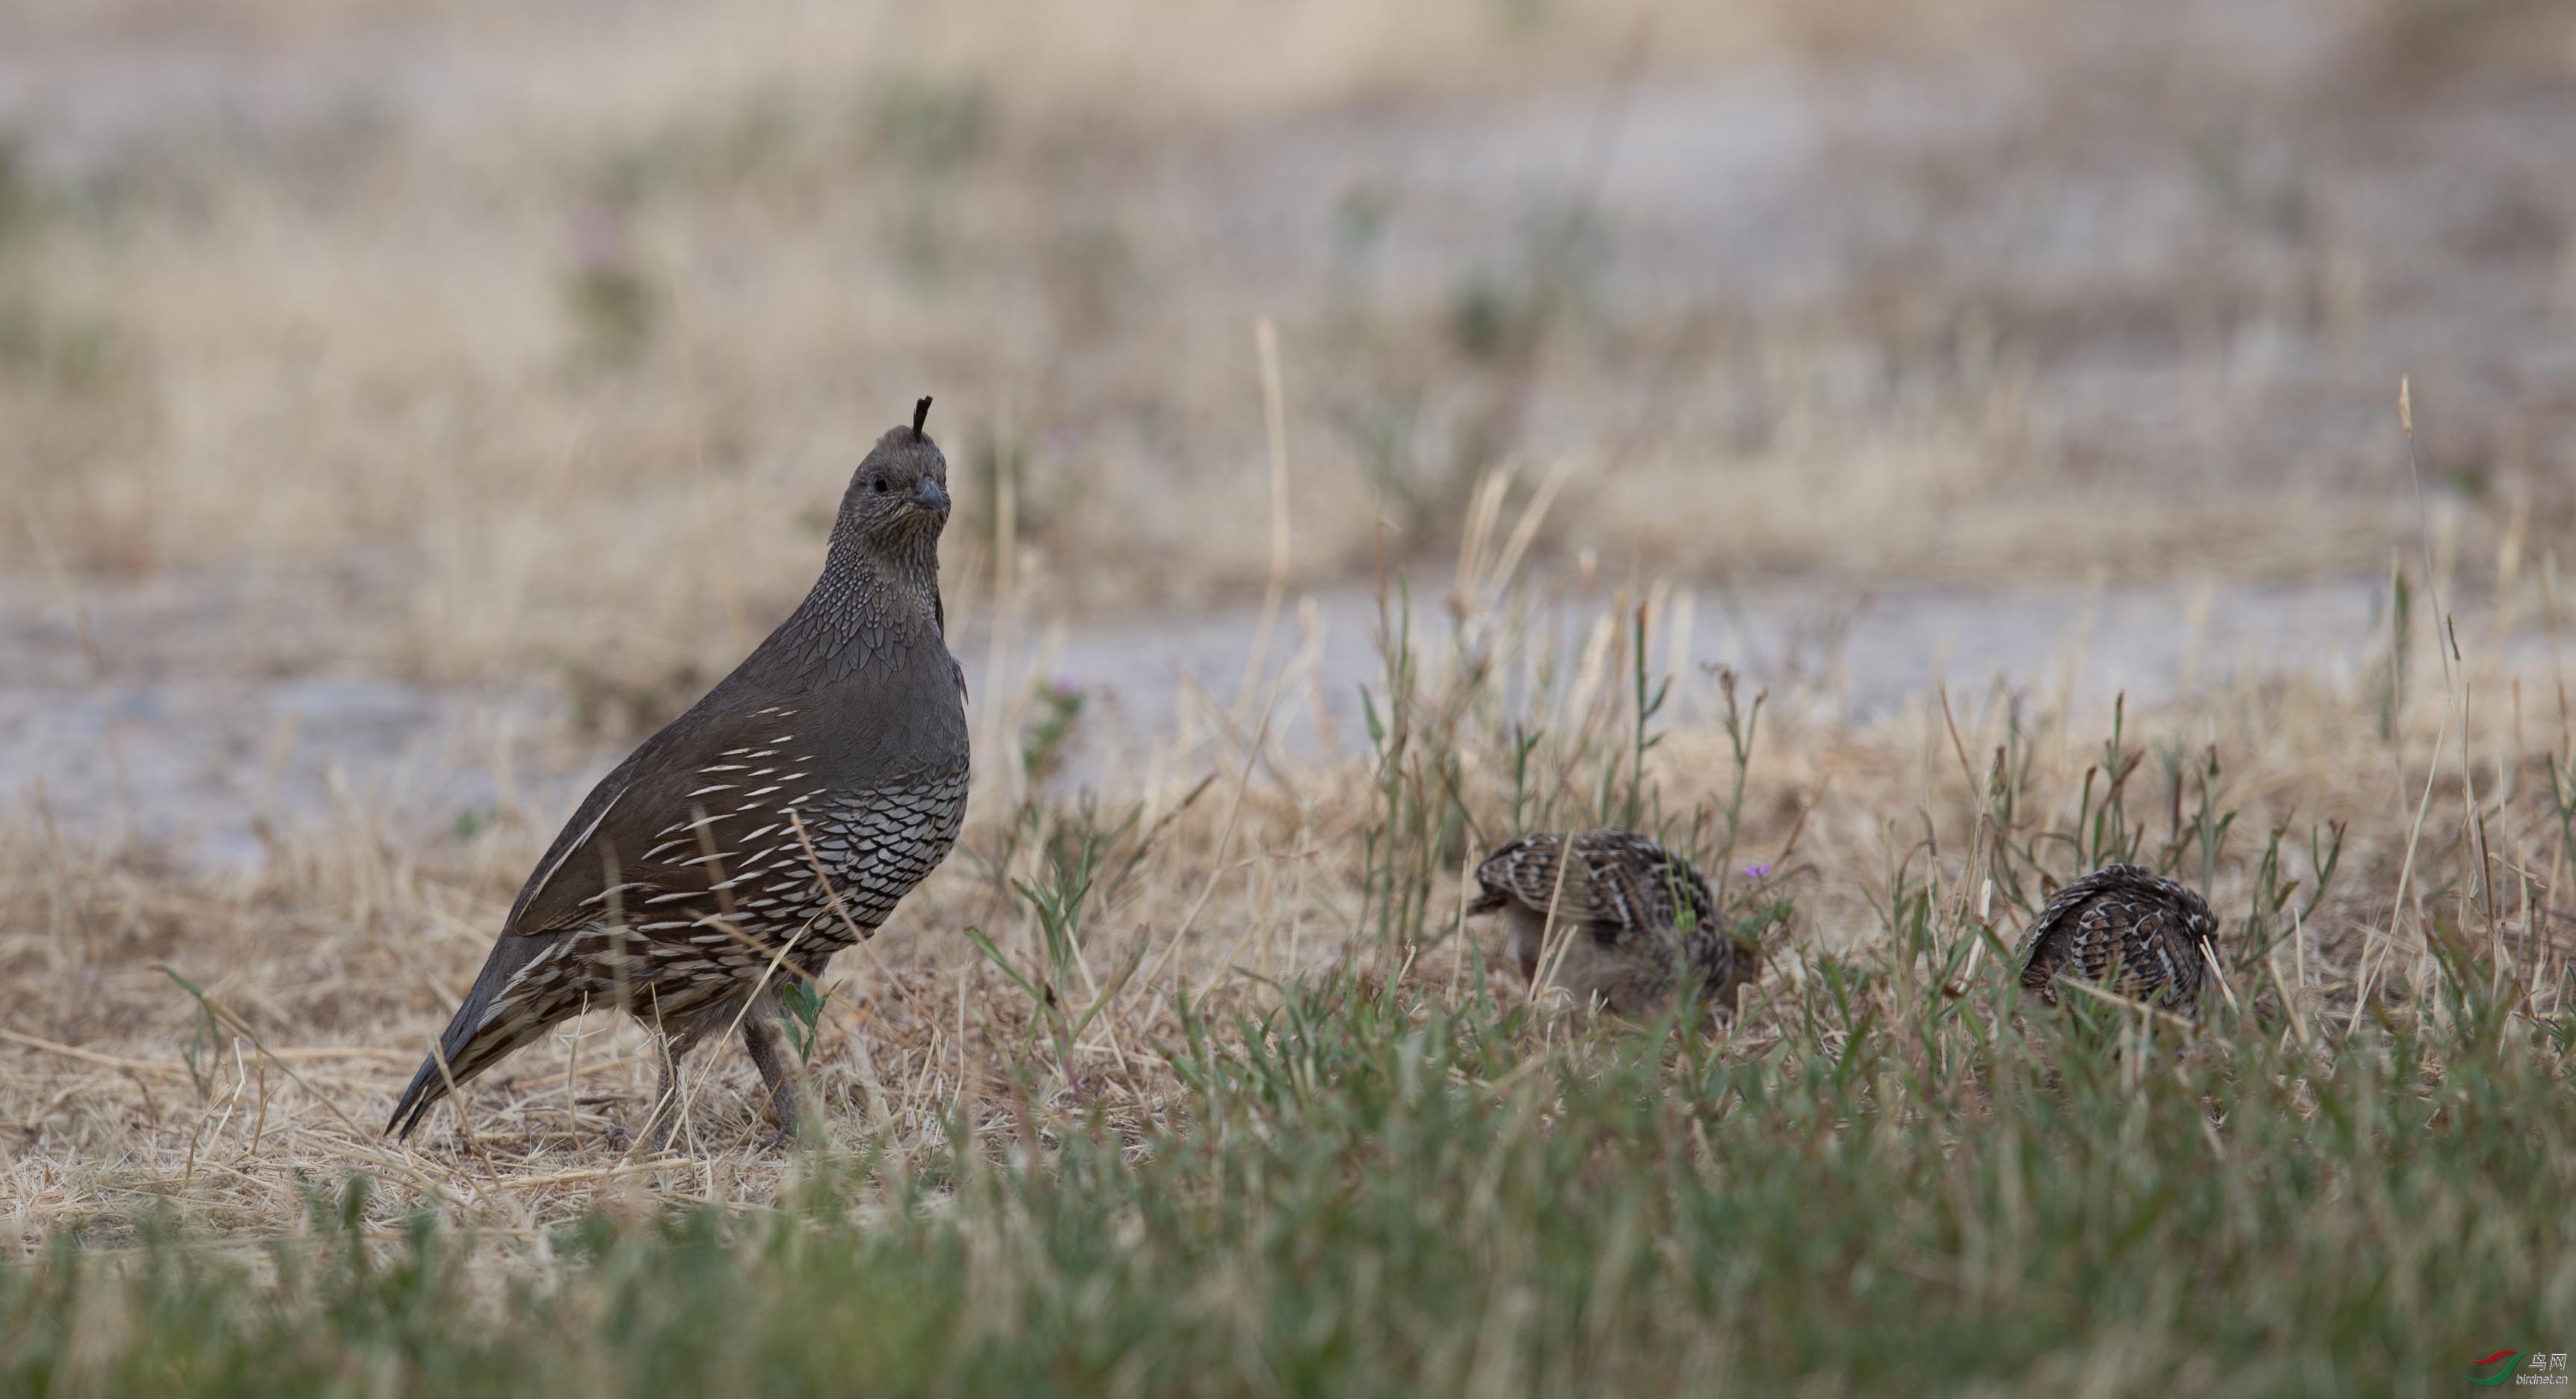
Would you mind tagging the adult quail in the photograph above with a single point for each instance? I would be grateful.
(1634, 921)
(774, 824)
(2141, 936)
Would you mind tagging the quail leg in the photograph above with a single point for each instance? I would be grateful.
(760, 1036)
(1527, 934)
(665, 1112)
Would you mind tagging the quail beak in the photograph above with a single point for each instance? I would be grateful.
(928, 494)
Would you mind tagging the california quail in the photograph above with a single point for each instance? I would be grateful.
(773, 824)
(1636, 920)
(2140, 936)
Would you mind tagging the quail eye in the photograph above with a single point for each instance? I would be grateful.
(877, 484)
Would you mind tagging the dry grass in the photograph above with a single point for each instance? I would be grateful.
(530, 364)
(520, 331)
(328, 966)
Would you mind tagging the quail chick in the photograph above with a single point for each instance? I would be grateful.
(1636, 922)
(2133, 932)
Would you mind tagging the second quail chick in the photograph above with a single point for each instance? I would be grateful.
(2135, 933)
(1636, 921)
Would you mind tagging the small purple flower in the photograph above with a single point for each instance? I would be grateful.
(1065, 685)
(1756, 871)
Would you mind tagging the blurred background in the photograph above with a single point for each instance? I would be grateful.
(419, 400)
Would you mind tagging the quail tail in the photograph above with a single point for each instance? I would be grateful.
(468, 1046)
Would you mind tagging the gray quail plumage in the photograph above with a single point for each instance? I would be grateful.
(1636, 920)
(2139, 935)
(774, 824)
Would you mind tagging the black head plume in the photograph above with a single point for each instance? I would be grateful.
(920, 414)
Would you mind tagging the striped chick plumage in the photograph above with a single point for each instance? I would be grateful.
(2129, 930)
(1624, 922)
